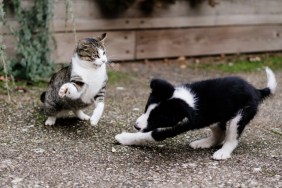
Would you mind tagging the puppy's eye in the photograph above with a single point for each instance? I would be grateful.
(104, 53)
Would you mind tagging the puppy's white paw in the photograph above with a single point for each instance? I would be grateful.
(125, 138)
(221, 154)
(138, 138)
(202, 143)
(50, 121)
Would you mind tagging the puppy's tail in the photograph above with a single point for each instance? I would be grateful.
(42, 97)
(271, 84)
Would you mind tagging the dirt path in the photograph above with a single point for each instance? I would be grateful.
(74, 154)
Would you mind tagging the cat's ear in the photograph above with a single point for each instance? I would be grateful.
(102, 37)
(81, 44)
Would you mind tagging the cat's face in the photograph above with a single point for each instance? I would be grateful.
(92, 51)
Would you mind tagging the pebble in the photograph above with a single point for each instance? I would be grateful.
(160, 146)
(120, 88)
(39, 150)
(257, 169)
(17, 180)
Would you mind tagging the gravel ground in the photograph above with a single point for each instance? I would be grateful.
(74, 154)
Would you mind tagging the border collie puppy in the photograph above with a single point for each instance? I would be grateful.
(228, 104)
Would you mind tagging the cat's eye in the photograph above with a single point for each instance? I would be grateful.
(97, 56)
(104, 53)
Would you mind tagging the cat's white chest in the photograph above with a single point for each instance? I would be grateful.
(94, 79)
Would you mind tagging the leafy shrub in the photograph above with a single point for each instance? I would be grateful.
(33, 54)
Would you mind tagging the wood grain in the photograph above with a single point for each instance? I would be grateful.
(161, 23)
(206, 41)
(233, 26)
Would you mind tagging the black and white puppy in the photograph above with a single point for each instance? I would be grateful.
(228, 104)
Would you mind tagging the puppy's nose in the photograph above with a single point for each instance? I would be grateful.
(136, 127)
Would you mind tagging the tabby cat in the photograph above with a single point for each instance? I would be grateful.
(80, 84)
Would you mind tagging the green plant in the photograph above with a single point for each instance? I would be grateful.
(117, 77)
(3, 53)
(242, 64)
(33, 53)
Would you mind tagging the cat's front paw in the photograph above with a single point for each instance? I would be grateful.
(68, 90)
(94, 121)
(81, 115)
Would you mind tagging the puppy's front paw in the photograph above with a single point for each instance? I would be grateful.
(50, 121)
(125, 138)
(202, 143)
(136, 139)
(221, 154)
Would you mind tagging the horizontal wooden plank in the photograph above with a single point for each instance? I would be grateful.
(206, 41)
(88, 9)
(146, 44)
(88, 16)
(158, 23)
(119, 45)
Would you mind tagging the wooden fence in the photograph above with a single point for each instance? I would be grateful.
(233, 26)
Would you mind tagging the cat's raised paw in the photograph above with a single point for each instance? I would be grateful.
(69, 90)
(63, 90)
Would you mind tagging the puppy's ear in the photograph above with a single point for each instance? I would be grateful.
(161, 89)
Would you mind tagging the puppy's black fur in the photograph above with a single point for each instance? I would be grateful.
(216, 101)
(173, 110)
